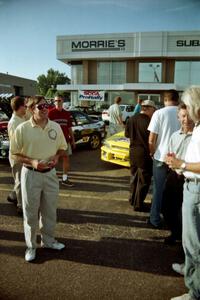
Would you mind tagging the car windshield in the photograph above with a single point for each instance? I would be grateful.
(81, 118)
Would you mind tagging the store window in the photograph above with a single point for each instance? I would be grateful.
(77, 74)
(150, 72)
(187, 72)
(111, 72)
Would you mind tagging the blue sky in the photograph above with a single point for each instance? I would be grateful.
(28, 28)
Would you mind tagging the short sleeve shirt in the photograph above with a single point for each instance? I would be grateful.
(63, 118)
(114, 113)
(37, 143)
(164, 122)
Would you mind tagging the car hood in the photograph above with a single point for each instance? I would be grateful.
(118, 140)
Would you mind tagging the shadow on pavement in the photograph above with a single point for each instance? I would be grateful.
(137, 255)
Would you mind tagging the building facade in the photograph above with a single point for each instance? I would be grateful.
(16, 86)
(132, 65)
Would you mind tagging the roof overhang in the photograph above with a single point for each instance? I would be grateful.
(120, 87)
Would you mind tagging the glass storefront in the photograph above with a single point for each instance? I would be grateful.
(76, 74)
(150, 72)
(111, 72)
(187, 73)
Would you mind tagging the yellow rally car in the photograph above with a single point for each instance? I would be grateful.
(115, 149)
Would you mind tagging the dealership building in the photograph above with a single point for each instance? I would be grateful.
(132, 65)
(11, 85)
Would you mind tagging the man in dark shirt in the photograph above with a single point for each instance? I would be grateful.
(140, 159)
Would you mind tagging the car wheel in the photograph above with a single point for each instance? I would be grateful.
(94, 141)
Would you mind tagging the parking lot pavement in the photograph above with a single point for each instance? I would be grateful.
(110, 251)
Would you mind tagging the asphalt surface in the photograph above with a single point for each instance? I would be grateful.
(110, 252)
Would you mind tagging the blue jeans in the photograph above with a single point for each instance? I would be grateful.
(160, 170)
(191, 237)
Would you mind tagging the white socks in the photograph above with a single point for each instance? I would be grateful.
(64, 177)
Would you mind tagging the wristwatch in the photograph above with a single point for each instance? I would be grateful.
(183, 166)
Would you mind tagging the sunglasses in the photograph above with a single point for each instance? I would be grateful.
(58, 100)
(42, 106)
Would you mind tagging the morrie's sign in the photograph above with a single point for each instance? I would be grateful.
(91, 95)
(190, 43)
(98, 45)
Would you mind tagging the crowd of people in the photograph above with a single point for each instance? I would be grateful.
(164, 146)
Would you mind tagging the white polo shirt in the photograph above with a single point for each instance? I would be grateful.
(164, 122)
(193, 152)
(37, 143)
(13, 123)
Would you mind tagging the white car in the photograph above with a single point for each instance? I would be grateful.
(126, 109)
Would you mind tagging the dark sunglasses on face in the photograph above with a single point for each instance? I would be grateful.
(42, 106)
(58, 100)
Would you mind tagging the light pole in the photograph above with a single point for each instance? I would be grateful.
(156, 78)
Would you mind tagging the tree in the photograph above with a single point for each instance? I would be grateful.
(50, 81)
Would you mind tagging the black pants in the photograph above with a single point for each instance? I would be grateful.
(172, 203)
(140, 181)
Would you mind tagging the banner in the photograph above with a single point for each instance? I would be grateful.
(91, 95)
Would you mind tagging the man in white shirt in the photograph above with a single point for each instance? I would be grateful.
(191, 198)
(115, 117)
(163, 123)
(18, 117)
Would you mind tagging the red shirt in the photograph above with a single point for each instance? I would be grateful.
(63, 118)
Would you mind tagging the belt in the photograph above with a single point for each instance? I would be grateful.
(195, 180)
(40, 171)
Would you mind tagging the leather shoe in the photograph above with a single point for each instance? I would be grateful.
(159, 226)
(12, 200)
(170, 240)
(30, 254)
(20, 211)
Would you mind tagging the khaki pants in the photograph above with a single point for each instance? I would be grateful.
(16, 171)
(39, 197)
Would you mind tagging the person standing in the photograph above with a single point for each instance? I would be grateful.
(140, 159)
(37, 144)
(63, 118)
(163, 123)
(190, 167)
(115, 117)
(19, 111)
(138, 107)
(173, 188)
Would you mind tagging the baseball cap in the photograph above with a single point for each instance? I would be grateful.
(148, 103)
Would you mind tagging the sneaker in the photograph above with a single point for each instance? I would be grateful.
(30, 254)
(183, 297)
(178, 268)
(67, 183)
(54, 246)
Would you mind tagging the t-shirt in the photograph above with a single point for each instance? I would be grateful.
(193, 153)
(164, 122)
(63, 118)
(115, 113)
